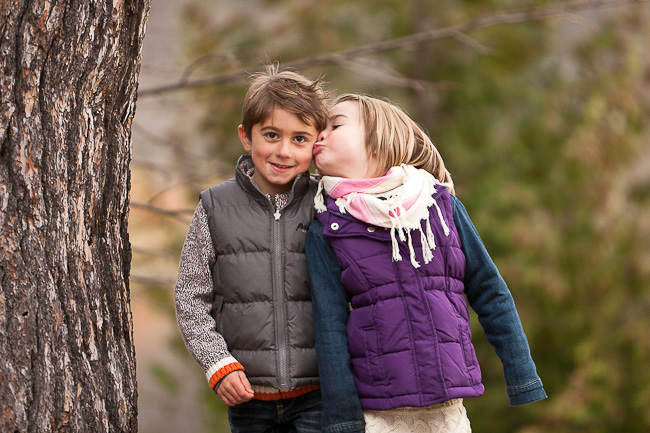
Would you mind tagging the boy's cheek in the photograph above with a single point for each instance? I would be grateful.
(305, 158)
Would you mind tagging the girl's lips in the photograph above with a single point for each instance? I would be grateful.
(317, 148)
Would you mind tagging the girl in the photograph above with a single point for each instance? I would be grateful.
(392, 240)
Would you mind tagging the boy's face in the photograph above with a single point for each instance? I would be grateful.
(280, 146)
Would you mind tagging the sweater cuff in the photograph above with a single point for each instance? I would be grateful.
(221, 370)
(528, 393)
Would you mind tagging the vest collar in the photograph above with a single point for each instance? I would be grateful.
(244, 165)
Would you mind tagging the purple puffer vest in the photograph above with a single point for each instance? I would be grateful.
(409, 331)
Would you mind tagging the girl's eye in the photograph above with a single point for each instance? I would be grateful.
(334, 127)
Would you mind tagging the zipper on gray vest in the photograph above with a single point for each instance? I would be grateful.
(278, 285)
(280, 324)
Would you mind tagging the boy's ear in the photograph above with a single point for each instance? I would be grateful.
(245, 141)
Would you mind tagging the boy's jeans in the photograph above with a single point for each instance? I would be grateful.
(300, 414)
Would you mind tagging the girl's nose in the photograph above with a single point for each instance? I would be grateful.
(321, 135)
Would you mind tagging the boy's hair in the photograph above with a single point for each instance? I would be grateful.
(394, 138)
(287, 90)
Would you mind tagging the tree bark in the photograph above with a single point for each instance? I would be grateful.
(68, 82)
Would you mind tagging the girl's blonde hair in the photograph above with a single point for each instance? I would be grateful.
(394, 138)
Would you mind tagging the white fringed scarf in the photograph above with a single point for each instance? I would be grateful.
(400, 200)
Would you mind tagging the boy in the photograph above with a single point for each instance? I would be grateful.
(242, 296)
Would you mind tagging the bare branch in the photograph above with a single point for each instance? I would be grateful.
(473, 43)
(499, 18)
(155, 252)
(177, 214)
(384, 73)
(152, 281)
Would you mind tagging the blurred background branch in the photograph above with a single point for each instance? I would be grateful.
(563, 10)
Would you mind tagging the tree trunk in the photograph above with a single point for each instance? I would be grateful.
(68, 81)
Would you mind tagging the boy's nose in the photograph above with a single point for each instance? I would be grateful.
(284, 149)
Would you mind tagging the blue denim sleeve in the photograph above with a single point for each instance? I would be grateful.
(489, 297)
(341, 406)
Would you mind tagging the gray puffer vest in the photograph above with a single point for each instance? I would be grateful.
(262, 301)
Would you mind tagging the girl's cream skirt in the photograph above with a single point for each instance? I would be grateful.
(447, 417)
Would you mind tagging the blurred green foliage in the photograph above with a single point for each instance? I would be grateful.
(544, 126)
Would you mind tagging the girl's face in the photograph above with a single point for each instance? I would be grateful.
(340, 149)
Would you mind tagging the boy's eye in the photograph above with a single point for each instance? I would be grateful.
(272, 135)
(301, 139)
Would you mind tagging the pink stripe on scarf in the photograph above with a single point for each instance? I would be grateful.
(357, 185)
(360, 207)
(409, 201)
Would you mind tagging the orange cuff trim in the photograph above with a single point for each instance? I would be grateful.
(223, 372)
(280, 395)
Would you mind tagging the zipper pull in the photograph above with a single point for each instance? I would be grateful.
(276, 215)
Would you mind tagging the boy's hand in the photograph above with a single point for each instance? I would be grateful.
(235, 389)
